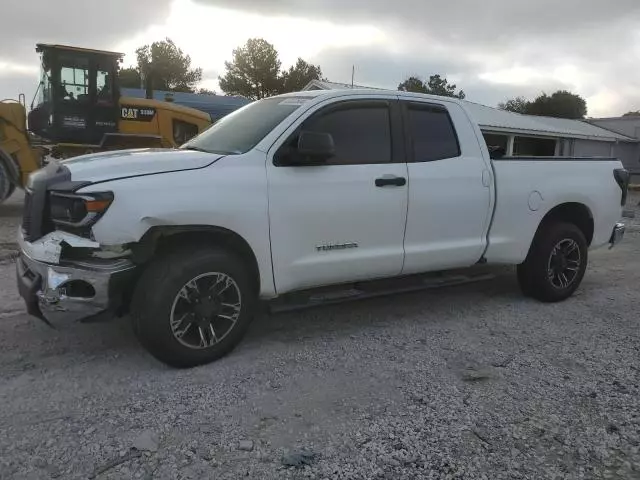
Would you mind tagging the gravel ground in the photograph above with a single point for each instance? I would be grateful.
(472, 382)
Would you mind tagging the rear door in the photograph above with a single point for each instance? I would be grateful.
(342, 221)
(449, 188)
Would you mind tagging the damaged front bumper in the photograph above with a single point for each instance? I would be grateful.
(60, 290)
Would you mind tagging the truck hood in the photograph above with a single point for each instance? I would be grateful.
(100, 167)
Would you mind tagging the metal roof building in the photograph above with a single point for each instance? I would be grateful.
(543, 136)
(502, 121)
(630, 127)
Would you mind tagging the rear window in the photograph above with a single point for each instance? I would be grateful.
(240, 131)
(432, 133)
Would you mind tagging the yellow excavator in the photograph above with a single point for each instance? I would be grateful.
(78, 109)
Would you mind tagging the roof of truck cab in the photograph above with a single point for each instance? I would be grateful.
(364, 91)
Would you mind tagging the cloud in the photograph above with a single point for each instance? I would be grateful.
(15, 82)
(519, 47)
(82, 23)
(382, 69)
(379, 68)
(494, 49)
(489, 21)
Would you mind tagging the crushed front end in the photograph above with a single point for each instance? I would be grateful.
(63, 274)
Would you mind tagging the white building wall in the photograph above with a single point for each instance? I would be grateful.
(629, 154)
(591, 148)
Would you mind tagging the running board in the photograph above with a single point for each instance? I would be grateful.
(374, 288)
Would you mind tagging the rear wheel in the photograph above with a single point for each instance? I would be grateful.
(556, 263)
(7, 187)
(193, 307)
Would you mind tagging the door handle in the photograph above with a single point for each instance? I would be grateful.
(391, 180)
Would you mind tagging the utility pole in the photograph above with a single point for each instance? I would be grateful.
(353, 74)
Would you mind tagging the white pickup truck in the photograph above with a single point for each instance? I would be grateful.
(297, 192)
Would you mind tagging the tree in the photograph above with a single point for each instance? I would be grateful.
(436, 86)
(129, 78)
(169, 68)
(299, 75)
(413, 84)
(517, 105)
(561, 104)
(254, 71)
(206, 91)
(632, 114)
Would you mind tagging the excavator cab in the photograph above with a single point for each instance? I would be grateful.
(78, 110)
(77, 99)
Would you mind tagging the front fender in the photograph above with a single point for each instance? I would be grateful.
(230, 195)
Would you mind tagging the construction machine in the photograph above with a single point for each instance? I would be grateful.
(78, 109)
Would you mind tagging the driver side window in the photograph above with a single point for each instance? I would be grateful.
(361, 132)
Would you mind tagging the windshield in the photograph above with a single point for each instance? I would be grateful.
(240, 131)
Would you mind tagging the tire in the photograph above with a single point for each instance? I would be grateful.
(12, 188)
(177, 318)
(6, 185)
(556, 263)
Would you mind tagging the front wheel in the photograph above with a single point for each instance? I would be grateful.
(193, 307)
(556, 263)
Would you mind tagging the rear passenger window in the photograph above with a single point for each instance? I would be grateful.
(361, 133)
(432, 133)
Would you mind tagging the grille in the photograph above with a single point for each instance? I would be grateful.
(26, 215)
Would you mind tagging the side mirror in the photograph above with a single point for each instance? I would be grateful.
(315, 147)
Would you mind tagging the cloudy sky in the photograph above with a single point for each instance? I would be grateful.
(494, 49)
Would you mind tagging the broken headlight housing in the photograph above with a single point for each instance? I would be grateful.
(78, 212)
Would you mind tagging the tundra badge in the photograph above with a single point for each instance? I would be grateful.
(336, 246)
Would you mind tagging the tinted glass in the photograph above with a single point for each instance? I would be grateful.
(183, 131)
(432, 133)
(240, 131)
(361, 134)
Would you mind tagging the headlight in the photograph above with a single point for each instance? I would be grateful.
(78, 210)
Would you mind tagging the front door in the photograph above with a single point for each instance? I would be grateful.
(344, 220)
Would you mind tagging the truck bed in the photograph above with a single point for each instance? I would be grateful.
(527, 188)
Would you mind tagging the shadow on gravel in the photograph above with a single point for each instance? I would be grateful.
(114, 342)
(348, 318)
